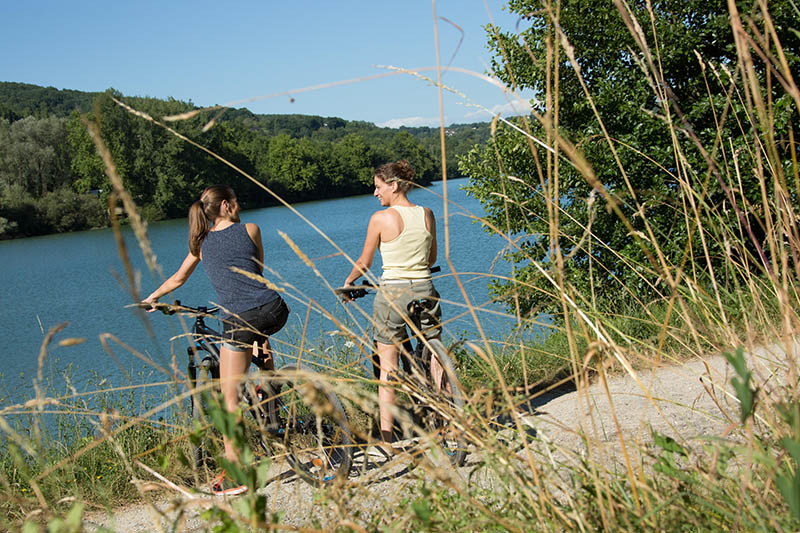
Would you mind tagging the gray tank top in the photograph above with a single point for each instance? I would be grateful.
(233, 247)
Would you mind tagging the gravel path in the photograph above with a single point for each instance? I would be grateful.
(685, 401)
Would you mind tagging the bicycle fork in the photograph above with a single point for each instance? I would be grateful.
(204, 366)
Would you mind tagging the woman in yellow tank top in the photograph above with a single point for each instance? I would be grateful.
(406, 236)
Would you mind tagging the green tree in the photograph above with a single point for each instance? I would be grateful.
(24, 99)
(8, 114)
(34, 154)
(661, 109)
(352, 163)
(404, 146)
(86, 165)
(65, 210)
(459, 139)
(293, 164)
(45, 147)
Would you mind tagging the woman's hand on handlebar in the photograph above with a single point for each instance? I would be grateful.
(149, 303)
(346, 295)
(352, 292)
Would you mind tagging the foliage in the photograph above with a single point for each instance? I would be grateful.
(56, 211)
(521, 364)
(460, 138)
(24, 99)
(297, 157)
(36, 180)
(85, 444)
(741, 383)
(34, 154)
(6, 113)
(632, 126)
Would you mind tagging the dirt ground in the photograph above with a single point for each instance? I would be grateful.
(687, 401)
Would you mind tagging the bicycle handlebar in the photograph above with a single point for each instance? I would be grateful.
(355, 291)
(177, 307)
(359, 291)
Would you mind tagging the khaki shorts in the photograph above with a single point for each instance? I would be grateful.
(390, 320)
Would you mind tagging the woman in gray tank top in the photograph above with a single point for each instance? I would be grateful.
(252, 311)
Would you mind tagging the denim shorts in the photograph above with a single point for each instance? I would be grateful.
(389, 319)
(240, 331)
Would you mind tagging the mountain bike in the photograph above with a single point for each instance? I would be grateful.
(290, 408)
(432, 407)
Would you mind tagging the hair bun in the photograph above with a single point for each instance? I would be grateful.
(400, 171)
(405, 170)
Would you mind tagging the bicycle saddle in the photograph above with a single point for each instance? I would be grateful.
(425, 304)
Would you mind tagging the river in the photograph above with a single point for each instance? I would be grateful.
(79, 279)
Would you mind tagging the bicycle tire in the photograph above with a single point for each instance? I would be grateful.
(203, 376)
(317, 439)
(437, 422)
(260, 398)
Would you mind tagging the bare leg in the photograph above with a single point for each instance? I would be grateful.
(266, 360)
(233, 365)
(386, 396)
(437, 373)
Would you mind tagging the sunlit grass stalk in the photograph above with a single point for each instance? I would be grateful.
(751, 299)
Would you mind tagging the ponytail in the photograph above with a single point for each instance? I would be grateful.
(203, 212)
(198, 227)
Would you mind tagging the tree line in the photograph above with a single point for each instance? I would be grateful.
(52, 179)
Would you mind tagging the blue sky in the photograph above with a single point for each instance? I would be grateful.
(233, 52)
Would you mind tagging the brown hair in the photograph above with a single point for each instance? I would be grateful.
(400, 172)
(203, 212)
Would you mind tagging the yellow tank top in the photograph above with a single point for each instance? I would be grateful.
(406, 256)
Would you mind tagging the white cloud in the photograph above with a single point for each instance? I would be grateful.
(514, 108)
(409, 121)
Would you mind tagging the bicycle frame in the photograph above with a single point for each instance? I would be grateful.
(202, 335)
(415, 361)
(206, 339)
(410, 353)
(265, 407)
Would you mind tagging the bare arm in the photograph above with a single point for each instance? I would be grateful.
(370, 245)
(175, 280)
(430, 222)
(255, 236)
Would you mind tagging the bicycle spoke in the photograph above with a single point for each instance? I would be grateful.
(446, 404)
(319, 446)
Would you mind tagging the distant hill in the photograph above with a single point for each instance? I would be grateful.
(23, 99)
(19, 100)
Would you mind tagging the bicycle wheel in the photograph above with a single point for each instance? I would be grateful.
(438, 419)
(309, 420)
(260, 398)
(202, 376)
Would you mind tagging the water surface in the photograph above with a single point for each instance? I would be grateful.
(79, 279)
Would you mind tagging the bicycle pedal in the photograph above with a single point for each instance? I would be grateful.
(275, 431)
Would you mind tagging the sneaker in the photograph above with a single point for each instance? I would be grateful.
(388, 450)
(222, 485)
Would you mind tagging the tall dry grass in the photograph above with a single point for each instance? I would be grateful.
(521, 475)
